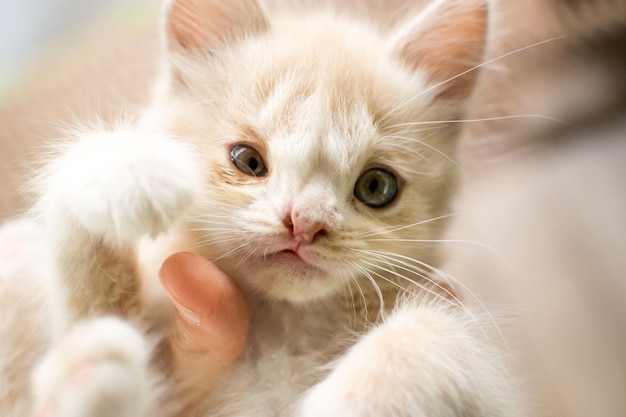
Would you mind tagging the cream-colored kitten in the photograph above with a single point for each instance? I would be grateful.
(305, 154)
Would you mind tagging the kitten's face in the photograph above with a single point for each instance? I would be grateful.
(321, 174)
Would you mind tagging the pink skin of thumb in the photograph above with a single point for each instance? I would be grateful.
(212, 314)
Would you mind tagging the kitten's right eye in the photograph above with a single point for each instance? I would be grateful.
(248, 160)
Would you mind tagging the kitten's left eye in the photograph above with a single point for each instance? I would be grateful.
(248, 160)
(376, 188)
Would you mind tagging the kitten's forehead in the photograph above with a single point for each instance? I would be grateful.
(311, 99)
(309, 127)
(321, 102)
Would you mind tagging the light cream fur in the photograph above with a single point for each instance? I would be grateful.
(322, 97)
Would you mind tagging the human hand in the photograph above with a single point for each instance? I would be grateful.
(211, 323)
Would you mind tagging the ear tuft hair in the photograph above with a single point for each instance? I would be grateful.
(209, 24)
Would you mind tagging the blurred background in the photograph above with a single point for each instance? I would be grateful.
(63, 60)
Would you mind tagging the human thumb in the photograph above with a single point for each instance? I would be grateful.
(212, 318)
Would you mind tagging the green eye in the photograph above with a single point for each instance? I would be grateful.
(376, 187)
(248, 160)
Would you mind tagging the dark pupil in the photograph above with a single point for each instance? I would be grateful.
(373, 185)
(253, 164)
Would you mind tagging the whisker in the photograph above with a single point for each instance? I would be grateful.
(404, 148)
(434, 127)
(485, 119)
(417, 284)
(364, 299)
(347, 284)
(411, 269)
(230, 252)
(221, 204)
(250, 252)
(432, 148)
(476, 67)
(215, 232)
(446, 277)
(217, 222)
(408, 226)
(489, 61)
(226, 234)
(203, 243)
(490, 248)
(220, 216)
(217, 229)
(379, 293)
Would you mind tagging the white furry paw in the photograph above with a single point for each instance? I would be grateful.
(425, 361)
(364, 383)
(124, 184)
(98, 370)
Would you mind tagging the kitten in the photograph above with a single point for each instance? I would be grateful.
(306, 156)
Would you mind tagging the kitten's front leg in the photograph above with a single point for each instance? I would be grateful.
(427, 360)
(104, 191)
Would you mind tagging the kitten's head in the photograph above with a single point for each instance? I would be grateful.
(322, 165)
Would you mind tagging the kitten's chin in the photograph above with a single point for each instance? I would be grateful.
(285, 276)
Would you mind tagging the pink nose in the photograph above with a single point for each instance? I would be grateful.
(305, 228)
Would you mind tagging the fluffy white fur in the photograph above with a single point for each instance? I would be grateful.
(323, 98)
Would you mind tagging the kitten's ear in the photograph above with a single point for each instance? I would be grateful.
(208, 24)
(446, 41)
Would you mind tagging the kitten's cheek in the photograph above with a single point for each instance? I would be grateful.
(212, 314)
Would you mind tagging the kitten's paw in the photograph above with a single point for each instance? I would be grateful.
(425, 361)
(125, 184)
(362, 384)
(98, 370)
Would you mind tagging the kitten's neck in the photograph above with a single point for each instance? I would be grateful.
(298, 329)
(322, 325)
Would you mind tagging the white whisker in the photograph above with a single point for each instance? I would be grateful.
(490, 248)
(347, 284)
(446, 278)
(215, 229)
(474, 68)
(432, 148)
(408, 226)
(230, 252)
(363, 298)
(485, 119)
(214, 240)
(249, 253)
(381, 309)
(404, 278)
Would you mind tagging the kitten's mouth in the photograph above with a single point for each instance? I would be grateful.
(289, 272)
(293, 257)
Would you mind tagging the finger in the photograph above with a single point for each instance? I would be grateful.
(211, 322)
